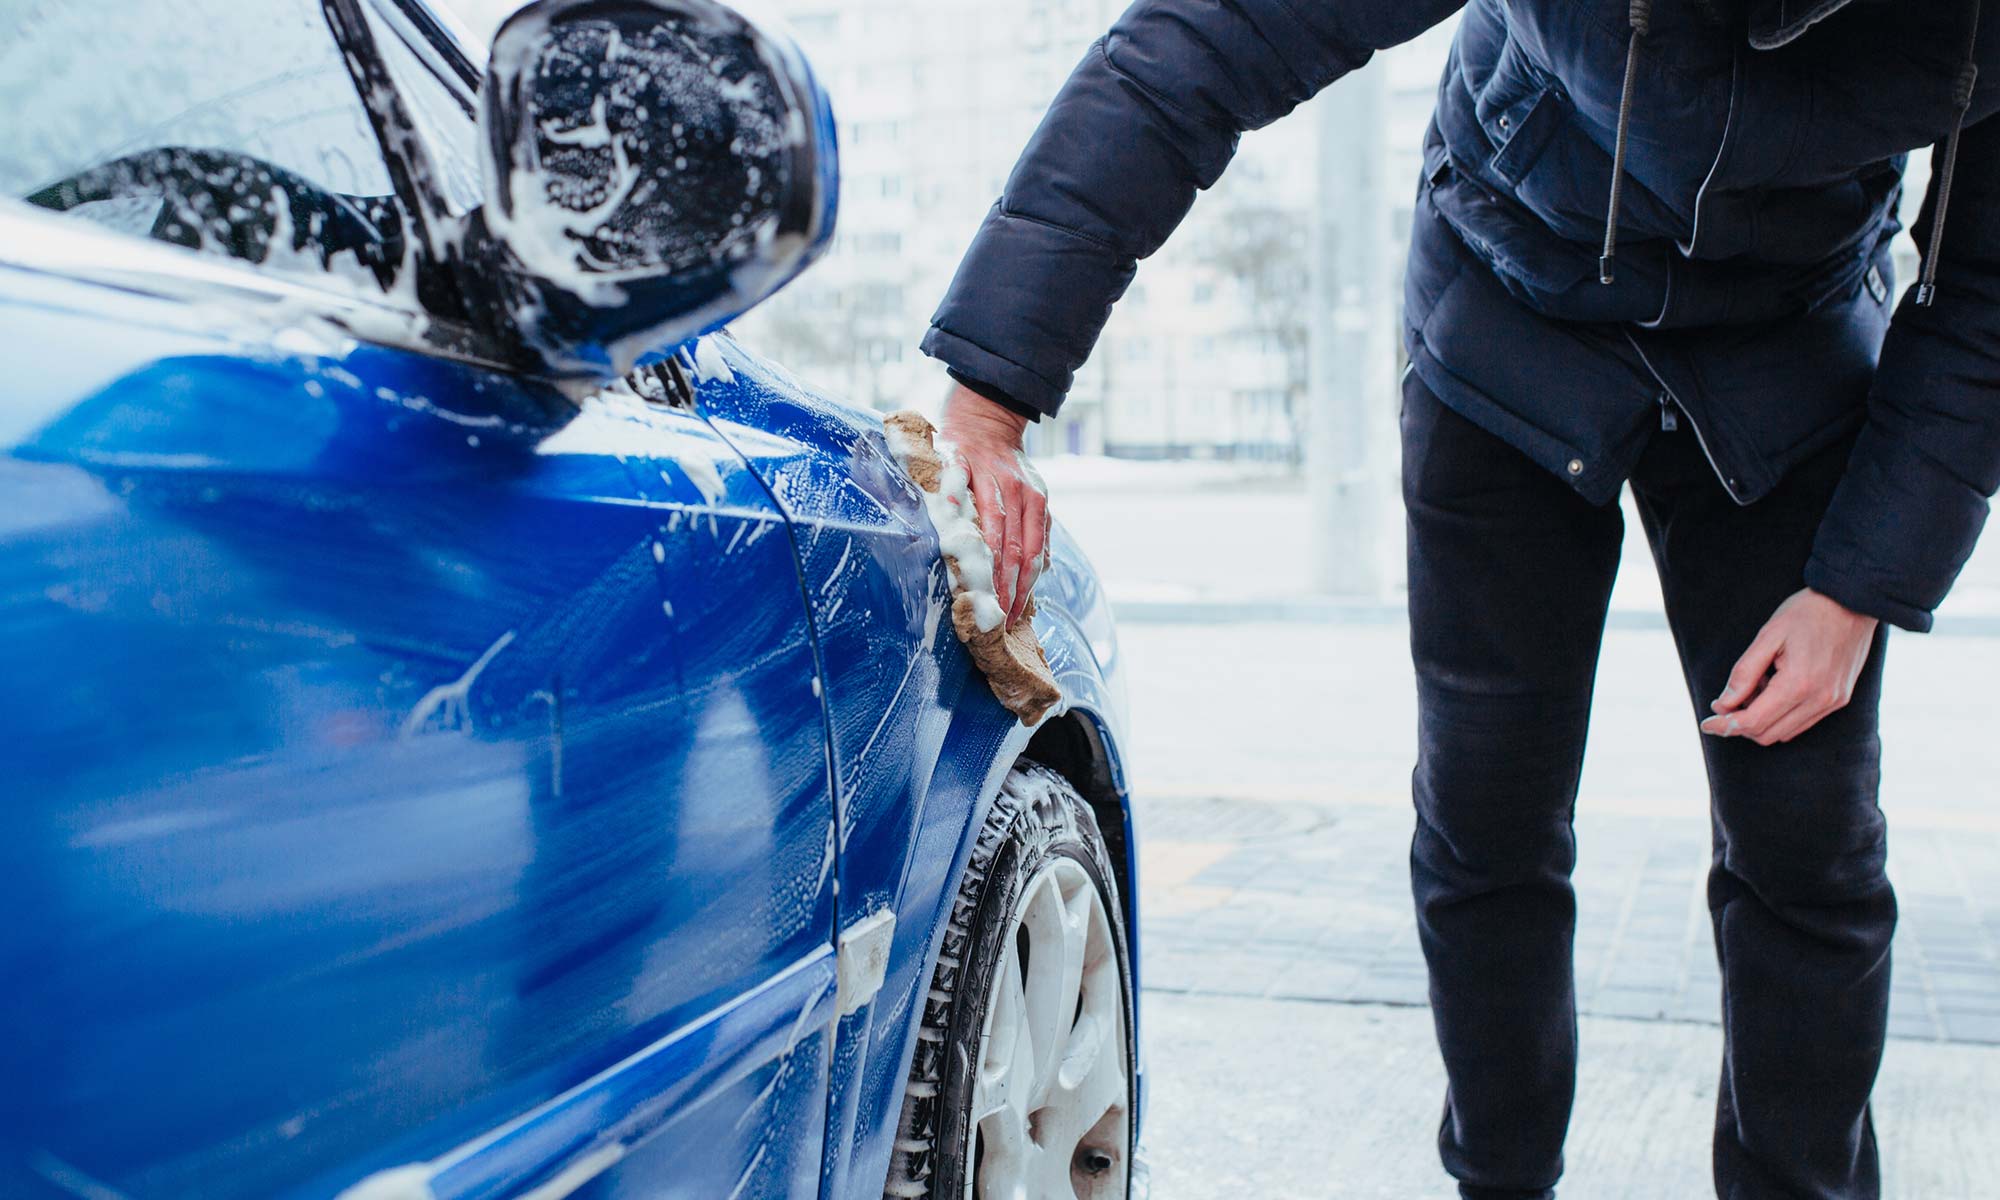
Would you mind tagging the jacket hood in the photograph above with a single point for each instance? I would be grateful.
(1773, 23)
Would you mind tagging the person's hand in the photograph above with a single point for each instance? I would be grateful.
(1013, 505)
(1801, 667)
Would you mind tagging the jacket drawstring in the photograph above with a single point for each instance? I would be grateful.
(1968, 78)
(1641, 16)
(1641, 19)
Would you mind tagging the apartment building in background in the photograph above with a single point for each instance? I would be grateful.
(1205, 357)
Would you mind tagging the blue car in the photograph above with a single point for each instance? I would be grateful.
(471, 728)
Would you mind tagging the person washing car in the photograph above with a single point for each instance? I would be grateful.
(1651, 247)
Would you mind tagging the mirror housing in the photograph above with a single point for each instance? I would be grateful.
(653, 169)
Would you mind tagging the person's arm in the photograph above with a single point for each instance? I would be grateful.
(1149, 118)
(1914, 498)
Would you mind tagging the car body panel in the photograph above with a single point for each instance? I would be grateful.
(602, 1132)
(349, 733)
(919, 743)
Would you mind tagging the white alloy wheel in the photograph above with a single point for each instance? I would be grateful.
(1021, 1080)
(1049, 1113)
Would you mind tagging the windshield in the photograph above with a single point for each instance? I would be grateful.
(225, 127)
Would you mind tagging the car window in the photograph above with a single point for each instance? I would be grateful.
(225, 127)
(442, 113)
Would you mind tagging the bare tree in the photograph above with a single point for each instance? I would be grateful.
(1262, 248)
(819, 336)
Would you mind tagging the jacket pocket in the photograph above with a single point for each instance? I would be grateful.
(1501, 232)
(1527, 133)
(1519, 106)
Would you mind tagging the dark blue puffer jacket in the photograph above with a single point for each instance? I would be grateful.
(1765, 154)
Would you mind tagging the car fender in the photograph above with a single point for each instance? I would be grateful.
(918, 744)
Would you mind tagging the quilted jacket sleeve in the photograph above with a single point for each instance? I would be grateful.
(1915, 495)
(1151, 116)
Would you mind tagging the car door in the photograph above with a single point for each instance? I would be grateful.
(385, 767)
(402, 792)
(752, 878)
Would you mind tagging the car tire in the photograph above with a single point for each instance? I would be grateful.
(1021, 1083)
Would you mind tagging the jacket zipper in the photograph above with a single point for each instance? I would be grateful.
(1728, 484)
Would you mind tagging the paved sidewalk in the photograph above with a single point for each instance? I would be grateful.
(1271, 778)
(1248, 898)
(1294, 1100)
(1271, 765)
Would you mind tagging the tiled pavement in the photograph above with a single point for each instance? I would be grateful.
(1296, 901)
(1270, 766)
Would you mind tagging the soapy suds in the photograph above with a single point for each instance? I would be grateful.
(287, 251)
(709, 365)
(451, 702)
(590, 249)
(834, 577)
(953, 515)
(706, 479)
(1012, 658)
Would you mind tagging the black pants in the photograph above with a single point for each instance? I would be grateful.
(1510, 578)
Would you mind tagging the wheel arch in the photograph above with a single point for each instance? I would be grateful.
(1076, 745)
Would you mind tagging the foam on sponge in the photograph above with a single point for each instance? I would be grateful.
(1012, 660)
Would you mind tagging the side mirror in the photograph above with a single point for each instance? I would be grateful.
(654, 168)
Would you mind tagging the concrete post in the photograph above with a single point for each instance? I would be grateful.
(1351, 412)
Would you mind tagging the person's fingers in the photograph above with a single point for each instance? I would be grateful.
(988, 499)
(1034, 531)
(1747, 676)
(1777, 701)
(1822, 700)
(1010, 564)
(1800, 719)
(1007, 560)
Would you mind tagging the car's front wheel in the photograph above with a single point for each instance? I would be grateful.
(1021, 1085)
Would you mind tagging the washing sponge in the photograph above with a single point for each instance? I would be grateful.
(1015, 666)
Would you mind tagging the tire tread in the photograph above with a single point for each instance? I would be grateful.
(1032, 800)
